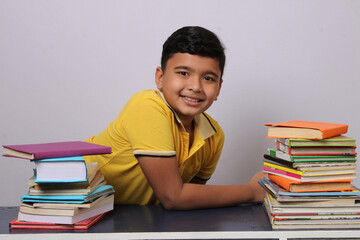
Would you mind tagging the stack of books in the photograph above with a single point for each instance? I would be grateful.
(310, 173)
(64, 192)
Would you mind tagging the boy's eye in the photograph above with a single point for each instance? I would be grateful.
(209, 78)
(183, 73)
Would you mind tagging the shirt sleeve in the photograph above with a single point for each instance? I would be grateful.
(148, 128)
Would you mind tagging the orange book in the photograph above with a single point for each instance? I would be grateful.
(305, 129)
(320, 186)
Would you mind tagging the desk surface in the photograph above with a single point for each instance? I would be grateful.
(154, 222)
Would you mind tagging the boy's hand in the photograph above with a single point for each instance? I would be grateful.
(257, 190)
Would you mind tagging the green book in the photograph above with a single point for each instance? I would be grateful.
(311, 158)
(338, 141)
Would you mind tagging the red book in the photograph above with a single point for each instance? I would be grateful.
(54, 150)
(83, 225)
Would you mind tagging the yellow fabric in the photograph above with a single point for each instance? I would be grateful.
(147, 126)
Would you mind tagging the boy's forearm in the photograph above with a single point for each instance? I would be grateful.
(194, 196)
(164, 178)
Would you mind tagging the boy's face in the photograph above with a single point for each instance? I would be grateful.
(190, 84)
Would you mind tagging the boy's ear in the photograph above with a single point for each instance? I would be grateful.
(220, 84)
(159, 74)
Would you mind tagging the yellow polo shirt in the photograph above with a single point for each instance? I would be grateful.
(148, 126)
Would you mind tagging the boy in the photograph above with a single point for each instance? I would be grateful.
(164, 146)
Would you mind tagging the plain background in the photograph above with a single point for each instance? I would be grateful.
(68, 67)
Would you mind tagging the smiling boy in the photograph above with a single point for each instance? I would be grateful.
(190, 85)
(165, 147)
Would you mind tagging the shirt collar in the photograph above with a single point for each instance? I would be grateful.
(203, 123)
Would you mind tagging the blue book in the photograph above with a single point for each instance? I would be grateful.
(61, 170)
(100, 191)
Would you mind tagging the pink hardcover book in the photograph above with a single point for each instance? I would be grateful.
(272, 170)
(54, 150)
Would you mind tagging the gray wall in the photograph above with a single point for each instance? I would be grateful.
(68, 67)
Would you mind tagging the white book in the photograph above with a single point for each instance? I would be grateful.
(65, 219)
(69, 169)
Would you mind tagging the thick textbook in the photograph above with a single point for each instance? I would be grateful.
(305, 129)
(94, 176)
(54, 150)
(66, 169)
(82, 225)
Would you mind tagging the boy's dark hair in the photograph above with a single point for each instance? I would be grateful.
(194, 40)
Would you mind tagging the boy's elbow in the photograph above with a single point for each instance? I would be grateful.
(173, 202)
(170, 204)
(176, 199)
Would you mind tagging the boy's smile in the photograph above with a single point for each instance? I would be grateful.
(190, 84)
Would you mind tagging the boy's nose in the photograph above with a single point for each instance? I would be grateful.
(194, 84)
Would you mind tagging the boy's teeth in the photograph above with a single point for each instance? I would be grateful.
(190, 99)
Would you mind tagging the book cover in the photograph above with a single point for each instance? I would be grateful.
(94, 176)
(31, 209)
(65, 219)
(336, 141)
(279, 161)
(68, 191)
(286, 169)
(102, 190)
(66, 169)
(82, 225)
(311, 178)
(320, 186)
(330, 202)
(69, 205)
(305, 129)
(323, 150)
(310, 172)
(54, 150)
(310, 166)
(311, 158)
(315, 209)
(313, 166)
(276, 190)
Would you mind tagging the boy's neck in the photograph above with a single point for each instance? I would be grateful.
(189, 127)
